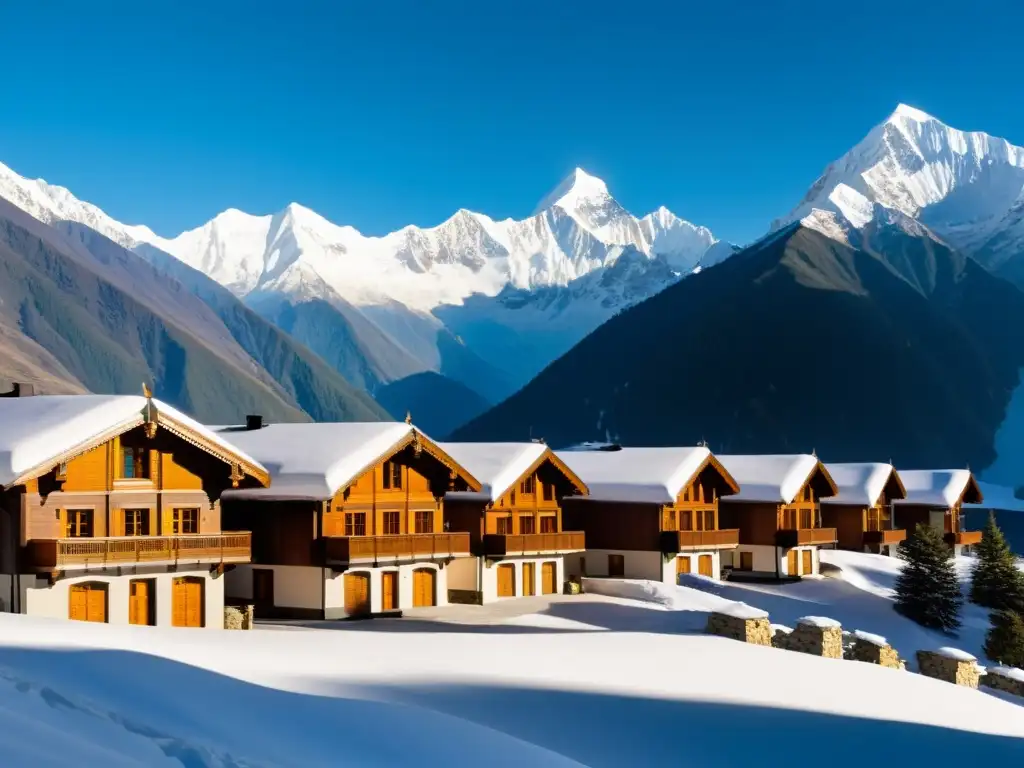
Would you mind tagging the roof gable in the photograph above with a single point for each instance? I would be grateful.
(314, 461)
(500, 466)
(648, 475)
(863, 483)
(36, 433)
(775, 478)
(939, 487)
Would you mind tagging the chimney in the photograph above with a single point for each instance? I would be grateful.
(20, 390)
(253, 421)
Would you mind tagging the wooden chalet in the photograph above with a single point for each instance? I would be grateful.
(936, 497)
(353, 523)
(110, 511)
(652, 513)
(861, 511)
(514, 521)
(778, 514)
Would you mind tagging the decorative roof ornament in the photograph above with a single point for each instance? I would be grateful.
(408, 417)
(417, 446)
(148, 413)
(237, 475)
(814, 453)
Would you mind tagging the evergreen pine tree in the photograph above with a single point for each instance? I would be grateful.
(927, 589)
(995, 581)
(1005, 639)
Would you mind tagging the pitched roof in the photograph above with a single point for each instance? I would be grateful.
(648, 475)
(772, 478)
(315, 461)
(498, 466)
(39, 432)
(997, 497)
(939, 487)
(861, 483)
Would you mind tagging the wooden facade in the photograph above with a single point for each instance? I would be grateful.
(949, 520)
(866, 527)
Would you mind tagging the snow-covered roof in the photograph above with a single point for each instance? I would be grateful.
(651, 475)
(997, 497)
(38, 432)
(772, 478)
(939, 487)
(860, 483)
(315, 461)
(498, 466)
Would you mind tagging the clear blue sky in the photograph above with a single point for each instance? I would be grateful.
(379, 114)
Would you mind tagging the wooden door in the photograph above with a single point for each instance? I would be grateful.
(682, 565)
(791, 563)
(548, 578)
(529, 578)
(506, 581)
(140, 602)
(616, 565)
(746, 561)
(187, 602)
(423, 587)
(357, 594)
(808, 562)
(262, 589)
(389, 590)
(704, 563)
(88, 602)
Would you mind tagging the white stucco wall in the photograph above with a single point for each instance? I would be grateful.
(463, 573)
(40, 599)
(295, 586)
(335, 608)
(670, 569)
(489, 580)
(637, 564)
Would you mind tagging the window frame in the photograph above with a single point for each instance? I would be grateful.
(73, 519)
(392, 519)
(139, 517)
(424, 521)
(355, 523)
(178, 520)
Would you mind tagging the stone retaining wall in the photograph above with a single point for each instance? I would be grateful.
(755, 631)
(932, 664)
(238, 617)
(1003, 683)
(883, 655)
(818, 641)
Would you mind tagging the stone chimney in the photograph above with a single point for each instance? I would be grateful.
(253, 421)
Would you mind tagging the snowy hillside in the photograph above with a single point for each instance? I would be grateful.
(966, 187)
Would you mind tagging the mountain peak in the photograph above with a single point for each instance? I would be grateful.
(910, 113)
(577, 186)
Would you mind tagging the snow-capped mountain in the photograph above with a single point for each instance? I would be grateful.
(966, 187)
(496, 285)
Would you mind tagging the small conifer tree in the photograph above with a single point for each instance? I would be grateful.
(1005, 639)
(927, 589)
(996, 582)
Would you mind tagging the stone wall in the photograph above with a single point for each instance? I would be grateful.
(957, 671)
(755, 631)
(883, 655)
(816, 640)
(238, 616)
(1014, 685)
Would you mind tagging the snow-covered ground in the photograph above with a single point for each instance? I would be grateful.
(592, 680)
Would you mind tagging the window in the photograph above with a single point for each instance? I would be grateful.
(392, 475)
(135, 463)
(670, 520)
(527, 486)
(355, 523)
(136, 522)
(549, 491)
(392, 523)
(789, 518)
(806, 518)
(424, 521)
(549, 524)
(185, 521)
(526, 525)
(504, 526)
(685, 523)
(78, 524)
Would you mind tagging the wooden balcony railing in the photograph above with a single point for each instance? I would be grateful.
(963, 538)
(798, 537)
(500, 545)
(888, 536)
(681, 541)
(345, 549)
(228, 547)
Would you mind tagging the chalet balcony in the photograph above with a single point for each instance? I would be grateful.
(963, 539)
(348, 549)
(500, 545)
(112, 551)
(800, 537)
(685, 541)
(882, 538)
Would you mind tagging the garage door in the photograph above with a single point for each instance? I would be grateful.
(506, 581)
(357, 594)
(187, 602)
(423, 587)
(529, 578)
(548, 578)
(808, 562)
(88, 602)
(704, 563)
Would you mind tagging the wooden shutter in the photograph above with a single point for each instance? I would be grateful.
(116, 522)
(78, 608)
(194, 608)
(791, 563)
(357, 594)
(506, 581)
(682, 565)
(529, 578)
(704, 563)
(548, 576)
(96, 604)
(808, 562)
